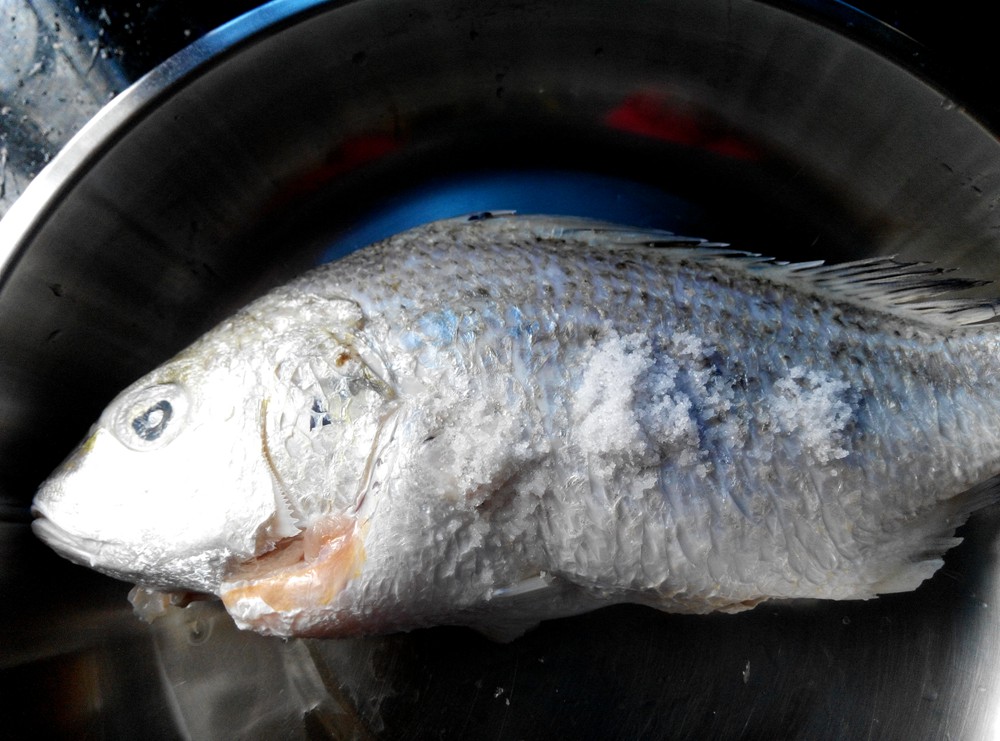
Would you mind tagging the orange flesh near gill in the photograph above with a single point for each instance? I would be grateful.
(309, 572)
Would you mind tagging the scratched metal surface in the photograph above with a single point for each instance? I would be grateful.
(282, 137)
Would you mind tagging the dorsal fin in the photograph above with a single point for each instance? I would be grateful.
(917, 291)
(914, 290)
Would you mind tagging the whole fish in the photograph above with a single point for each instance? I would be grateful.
(496, 420)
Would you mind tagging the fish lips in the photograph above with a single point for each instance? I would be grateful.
(77, 548)
(104, 556)
(84, 550)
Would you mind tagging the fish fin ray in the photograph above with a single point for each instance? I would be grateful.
(931, 533)
(513, 610)
(912, 290)
(916, 291)
(595, 231)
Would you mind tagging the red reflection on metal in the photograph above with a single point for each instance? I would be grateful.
(656, 118)
(349, 156)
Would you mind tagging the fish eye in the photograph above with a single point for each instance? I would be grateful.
(151, 423)
(150, 417)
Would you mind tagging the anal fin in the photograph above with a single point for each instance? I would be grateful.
(929, 535)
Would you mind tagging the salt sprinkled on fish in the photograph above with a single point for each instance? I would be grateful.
(495, 421)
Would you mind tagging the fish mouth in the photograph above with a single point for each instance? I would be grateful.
(76, 548)
(303, 573)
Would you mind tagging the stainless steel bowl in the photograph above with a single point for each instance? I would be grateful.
(307, 127)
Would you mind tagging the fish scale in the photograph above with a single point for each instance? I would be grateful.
(791, 319)
(523, 418)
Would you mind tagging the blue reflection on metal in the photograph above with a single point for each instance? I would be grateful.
(527, 192)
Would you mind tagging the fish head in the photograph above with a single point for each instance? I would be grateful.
(169, 485)
(240, 463)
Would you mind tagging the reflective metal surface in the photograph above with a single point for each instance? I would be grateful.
(260, 149)
(53, 78)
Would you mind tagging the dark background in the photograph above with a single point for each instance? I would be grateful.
(61, 60)
(952, 43)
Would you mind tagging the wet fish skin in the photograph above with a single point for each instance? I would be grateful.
(495, 422)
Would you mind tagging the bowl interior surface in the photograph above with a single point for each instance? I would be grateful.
(307, 129)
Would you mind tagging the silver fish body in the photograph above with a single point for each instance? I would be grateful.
(499, 421)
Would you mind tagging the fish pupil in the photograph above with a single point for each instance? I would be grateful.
(150, 424)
